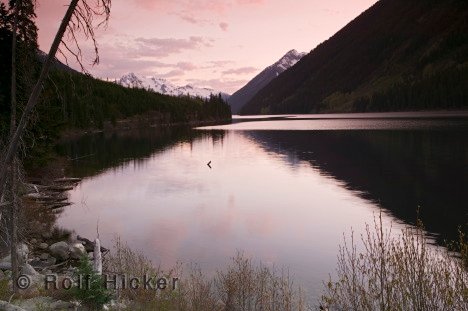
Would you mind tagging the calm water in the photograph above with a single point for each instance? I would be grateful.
(281, 189)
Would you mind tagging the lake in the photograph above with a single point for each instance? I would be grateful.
(281, 189)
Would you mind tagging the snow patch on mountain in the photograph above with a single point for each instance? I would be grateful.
(163, 86)
(287, 61)
(248, 91)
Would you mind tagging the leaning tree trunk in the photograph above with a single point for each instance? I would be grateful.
(13, 165)
(12, 146)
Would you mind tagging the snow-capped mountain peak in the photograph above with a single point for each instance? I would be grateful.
(288, 60)
(131, 80)
(163, 86)
(243, 95)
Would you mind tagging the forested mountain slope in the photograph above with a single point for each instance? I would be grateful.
(397, 55)
(244, 94)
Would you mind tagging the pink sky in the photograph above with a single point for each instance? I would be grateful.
(209, 43)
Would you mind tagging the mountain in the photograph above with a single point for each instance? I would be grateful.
(163, 86)
(243, 95)
(397, 55)
(56, 64)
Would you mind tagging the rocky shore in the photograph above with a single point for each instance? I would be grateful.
(46, 250)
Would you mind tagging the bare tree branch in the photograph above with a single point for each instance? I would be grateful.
(78, 18)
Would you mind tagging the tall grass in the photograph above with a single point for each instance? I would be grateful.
(397, 272)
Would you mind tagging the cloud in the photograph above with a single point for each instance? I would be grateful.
(163, 47)
(184, 8)
(225, 85)
(224, 26)
(187, 66)
(240, 71)
(172, 74)
(117, 60)
(250, 1)
(154, 4)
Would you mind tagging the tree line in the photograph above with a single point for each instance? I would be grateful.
(72, 100)
(447, 89)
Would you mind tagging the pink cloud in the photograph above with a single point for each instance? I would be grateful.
(227, 85)
(240, 71)
(224, 26)
(178, 6)
(162, 47)
(186, 66)
(172, 74)
(250, 1)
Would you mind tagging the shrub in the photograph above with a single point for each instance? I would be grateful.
(245, 286)
(94, 293)
(241, 286)
(401, 272)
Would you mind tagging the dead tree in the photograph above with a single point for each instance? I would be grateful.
(13, 189)
(79, 17)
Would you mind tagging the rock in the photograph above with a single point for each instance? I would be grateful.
(43, 246)
(44, 256)
(6, 259)
(41, 264)
(113, 305)
(60, 250)
(5, 265)
(90, 245)
(46, 303)
(62, 305)
(46, 235)
(29, 270)
(77, 251)
(23, 252)
(5, 306)
(33, 241)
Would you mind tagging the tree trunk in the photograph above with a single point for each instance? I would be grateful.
(14, 223)
(13, 166)
(97, 257)
(12, 146)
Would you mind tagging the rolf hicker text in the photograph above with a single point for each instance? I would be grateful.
(114, 281)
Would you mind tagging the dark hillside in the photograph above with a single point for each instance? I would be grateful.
(397, 55)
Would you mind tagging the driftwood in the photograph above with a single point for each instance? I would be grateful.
(59, 205)
(67, 180)
(52, 196)
(55, 188)
(48, 200)
(59, 188)
(45, 197)
(89, 245)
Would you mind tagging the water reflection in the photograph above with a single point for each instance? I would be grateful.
(401, 171)
(283, 197)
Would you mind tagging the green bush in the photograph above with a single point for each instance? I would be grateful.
(92, 293)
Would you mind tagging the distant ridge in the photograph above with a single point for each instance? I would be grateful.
(165, 87)
(243, 95)
(397, 55)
